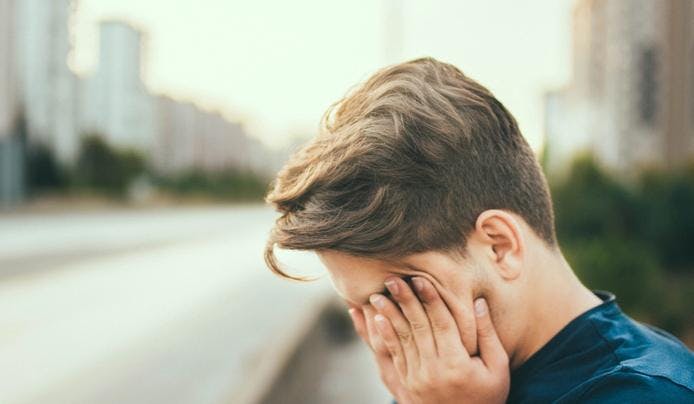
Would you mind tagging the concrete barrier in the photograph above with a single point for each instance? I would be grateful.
(270, 379)
(330, 365)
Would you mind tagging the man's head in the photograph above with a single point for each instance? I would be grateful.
(418, 170)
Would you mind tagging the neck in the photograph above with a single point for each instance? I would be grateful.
(557, 297)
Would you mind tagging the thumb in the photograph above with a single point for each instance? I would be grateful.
(491, 351)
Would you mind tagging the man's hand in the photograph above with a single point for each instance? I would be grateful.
(365, 327)
(419, 351)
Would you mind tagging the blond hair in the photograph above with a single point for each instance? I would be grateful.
(403, 164)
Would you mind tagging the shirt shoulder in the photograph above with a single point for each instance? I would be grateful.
(626, 385)
(642, 349)
(605, 356)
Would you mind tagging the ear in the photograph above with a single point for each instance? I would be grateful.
(500, 233)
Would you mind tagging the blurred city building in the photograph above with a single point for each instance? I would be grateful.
(174, 147)
(631, 97)
(47, 86)
(176, 135)
(11, 156)
(189, 137)
(116, 102)
(56, 107)
(223, 142)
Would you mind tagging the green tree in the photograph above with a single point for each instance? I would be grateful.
(666, 203)
(631, 238)
(44, 173)
(590, 203)
(104, 169)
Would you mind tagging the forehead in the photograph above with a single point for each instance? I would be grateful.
(339, 261)
(356, 278)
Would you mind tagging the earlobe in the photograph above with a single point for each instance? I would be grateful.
(502, 233)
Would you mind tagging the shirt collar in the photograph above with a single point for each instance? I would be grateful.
(544, 354)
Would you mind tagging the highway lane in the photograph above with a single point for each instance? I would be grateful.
(89, 301)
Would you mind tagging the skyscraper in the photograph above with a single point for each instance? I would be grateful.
(631, 98)
(47, 86)
(116, 103)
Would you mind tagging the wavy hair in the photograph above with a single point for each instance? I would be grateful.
(403, 164)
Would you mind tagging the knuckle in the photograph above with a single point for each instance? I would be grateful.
(430, 296)
(485, 330)
(440, 326)
(381, 348)
(418, 326)
(404, 336)
(426, 381)
(456, 380)
(453, 364)
(431, 378)
(390, 351)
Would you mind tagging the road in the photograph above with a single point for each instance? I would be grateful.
(121, 306)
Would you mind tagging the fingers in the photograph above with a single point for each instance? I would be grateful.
(463, 313)
(359, 322)
(491, 350)
(415, 315)
(375, 340)
(392, 343)
(400, 326)
(385, 352)
(444, 329)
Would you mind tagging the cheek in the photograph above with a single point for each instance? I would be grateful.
(342, 287)
(504, 328)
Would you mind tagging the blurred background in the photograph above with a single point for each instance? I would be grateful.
(137, 139)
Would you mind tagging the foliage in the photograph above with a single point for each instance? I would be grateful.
(104, 169)
(632, 238)
(667, 205)
(228, 185)
(44, 173)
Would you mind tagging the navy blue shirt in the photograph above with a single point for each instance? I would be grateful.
(604, 356)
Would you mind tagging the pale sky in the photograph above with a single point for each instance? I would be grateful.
(277, 65)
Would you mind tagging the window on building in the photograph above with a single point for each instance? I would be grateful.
(648, 85)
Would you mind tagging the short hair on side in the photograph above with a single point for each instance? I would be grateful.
(404, 164)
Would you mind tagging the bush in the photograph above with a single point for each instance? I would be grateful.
(228, 185)
(633, 239)
(44, 173)
(627, 268)
(667, 206)
(589, 203)
(106, 170)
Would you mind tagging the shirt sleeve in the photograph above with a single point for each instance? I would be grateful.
(634, 387)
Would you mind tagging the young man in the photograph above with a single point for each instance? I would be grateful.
(434, 220)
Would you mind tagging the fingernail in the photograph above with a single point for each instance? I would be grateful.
(392, 286)
(377, 301)
(480, 307)
(352, 311)
(380, 319)
(418, 284)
